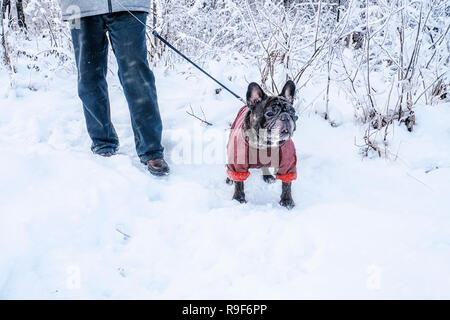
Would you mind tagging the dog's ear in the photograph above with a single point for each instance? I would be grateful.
(288, 91)
(254, 94)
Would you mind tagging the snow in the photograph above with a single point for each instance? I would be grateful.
(75, 225)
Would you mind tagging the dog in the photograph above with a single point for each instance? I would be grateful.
(260, 137)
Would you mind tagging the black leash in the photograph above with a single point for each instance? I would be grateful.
(156, 34)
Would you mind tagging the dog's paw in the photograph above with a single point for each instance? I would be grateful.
(269, 178)
(229, 181)
(287, 203)
(239, 198)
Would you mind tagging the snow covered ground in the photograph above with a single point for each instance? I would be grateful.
(75, 225)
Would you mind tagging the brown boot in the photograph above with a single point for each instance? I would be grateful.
(158, 167)
(106, 154)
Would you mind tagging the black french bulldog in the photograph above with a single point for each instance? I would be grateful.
(274, 116)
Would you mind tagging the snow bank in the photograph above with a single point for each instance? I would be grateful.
(74, 225)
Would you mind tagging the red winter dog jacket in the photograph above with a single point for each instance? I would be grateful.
(242, 156)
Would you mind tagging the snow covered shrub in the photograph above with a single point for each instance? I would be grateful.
(282, 37)
(38, 43)
(405, 56)
(44, 18)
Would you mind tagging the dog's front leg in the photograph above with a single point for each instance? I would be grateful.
(286, 196)
(239, 193)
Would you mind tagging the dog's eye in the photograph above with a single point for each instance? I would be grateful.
(270, 114)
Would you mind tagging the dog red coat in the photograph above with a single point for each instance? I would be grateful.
(242, 156)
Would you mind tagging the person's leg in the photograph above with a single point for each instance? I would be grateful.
(129, 45)
(91, 54)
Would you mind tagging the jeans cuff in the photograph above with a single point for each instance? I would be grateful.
(101, 150)
(151, 156)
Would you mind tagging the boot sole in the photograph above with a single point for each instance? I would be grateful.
(159, 174)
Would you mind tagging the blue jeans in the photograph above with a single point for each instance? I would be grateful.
(127, 38)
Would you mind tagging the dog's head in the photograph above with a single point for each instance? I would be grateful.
(271, 118)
